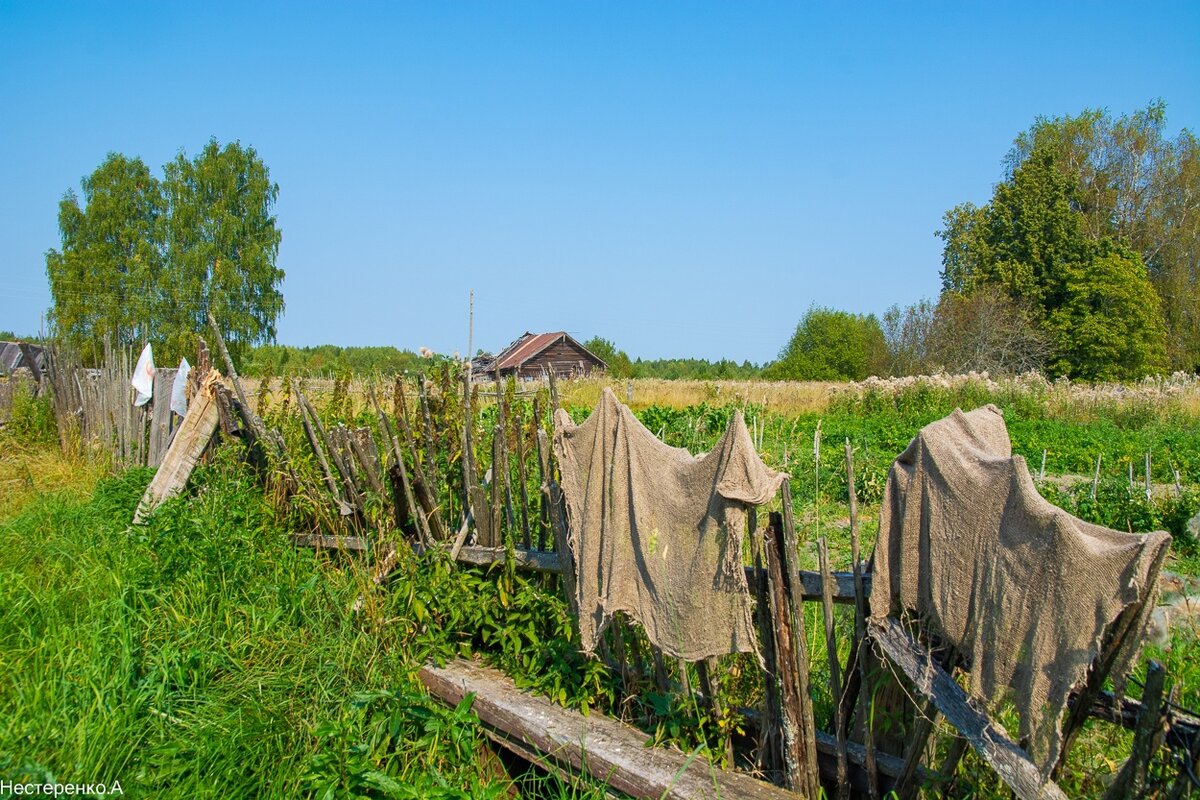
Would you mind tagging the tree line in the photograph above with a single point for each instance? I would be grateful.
(1083, 264)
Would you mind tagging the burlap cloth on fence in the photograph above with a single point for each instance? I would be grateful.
(657, 533)
(1022, 588)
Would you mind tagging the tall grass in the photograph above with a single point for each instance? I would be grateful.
(202, 655)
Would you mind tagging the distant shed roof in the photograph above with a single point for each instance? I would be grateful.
(526, 348)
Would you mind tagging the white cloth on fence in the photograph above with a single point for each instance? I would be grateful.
(179, 388)
(143, 377)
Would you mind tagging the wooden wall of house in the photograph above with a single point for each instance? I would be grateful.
(564, 357)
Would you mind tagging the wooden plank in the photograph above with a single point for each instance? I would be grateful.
(534, 560)
(597, 745)
(989, 739)
(321, 541)
(197, 429)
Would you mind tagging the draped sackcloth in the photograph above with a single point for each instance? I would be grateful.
(657, 533)
(1021, 588)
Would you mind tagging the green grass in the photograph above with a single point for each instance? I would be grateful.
(204, 656)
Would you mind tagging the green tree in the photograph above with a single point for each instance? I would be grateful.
(1091, 297)
(1137, 186)
(1108, 325)
(831, 345)
(619, 365)
(146, 260)
(222, 244)
(104, 281)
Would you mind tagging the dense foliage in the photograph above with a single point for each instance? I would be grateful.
(1094, 229)
(831, 345)
(144, 259)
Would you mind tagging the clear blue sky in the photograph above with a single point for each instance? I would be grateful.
(684, 178)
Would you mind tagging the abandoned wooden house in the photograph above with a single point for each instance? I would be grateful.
(536, 355)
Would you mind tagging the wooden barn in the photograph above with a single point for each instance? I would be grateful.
(535, 355)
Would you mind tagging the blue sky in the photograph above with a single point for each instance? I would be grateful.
(685, 179)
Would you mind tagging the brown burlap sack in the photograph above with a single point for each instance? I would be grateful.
(1021, 588)
(657, 533)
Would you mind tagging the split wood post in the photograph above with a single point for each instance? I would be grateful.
(1131, 780)
(1149, 491)
(861, 659)
(315, 445)
(430, 439)
(801, 767)
(1042, 471)
(352, 495)
(497, 488)
(544, 473)
(420, 482)
(368, 468)
(554, 404)
(423, 533)
(476, 499)
(553, 496)
(523, 477)
(835, 676)
(770, 757)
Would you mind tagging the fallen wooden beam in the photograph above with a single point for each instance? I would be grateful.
(993, 744)
(535, 729)
(323, 541)
(185, 450)
(534, 560)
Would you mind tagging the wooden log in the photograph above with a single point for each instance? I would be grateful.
(835, 670)
(184, 452)
(1011, 763)
(1131, 780)
(801, 767)
(595, 745)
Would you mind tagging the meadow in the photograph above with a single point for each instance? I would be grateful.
(203, 655)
